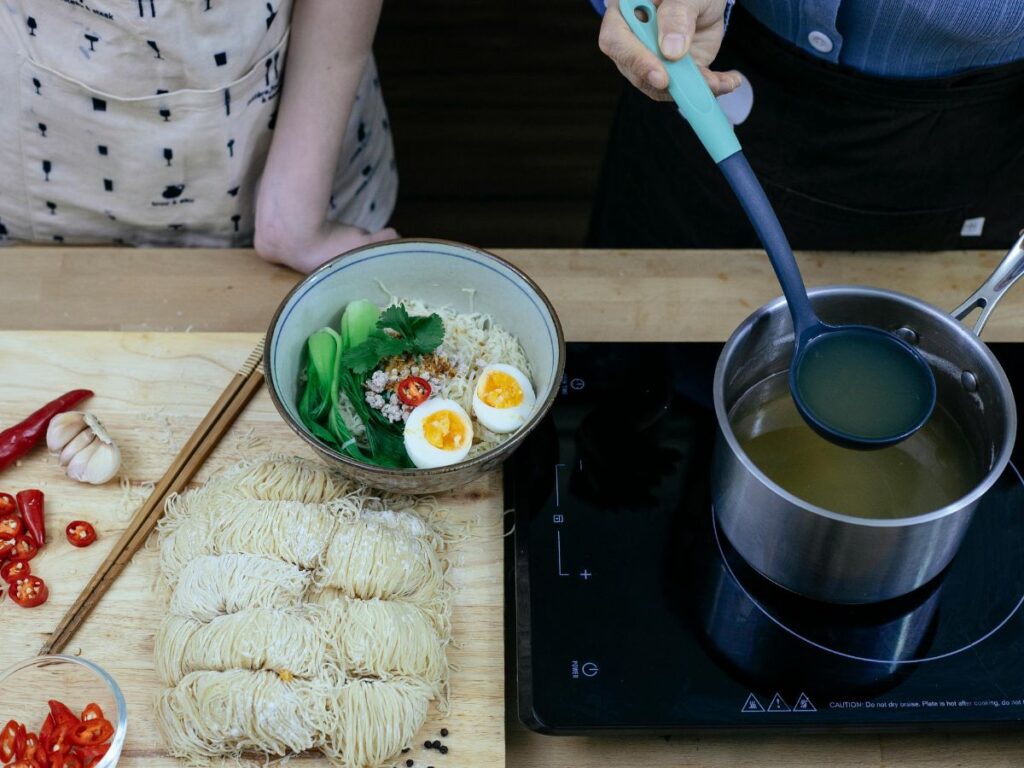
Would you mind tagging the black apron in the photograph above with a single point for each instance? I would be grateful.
(850, 161)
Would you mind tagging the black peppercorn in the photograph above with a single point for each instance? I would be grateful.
(444, 731)
(444, 750)
(437, 744)
(427, 744)
(409, 763)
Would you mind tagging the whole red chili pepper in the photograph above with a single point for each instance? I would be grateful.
(30, 503)
(18, 440)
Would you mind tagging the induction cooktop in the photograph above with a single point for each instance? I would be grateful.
(630, 611)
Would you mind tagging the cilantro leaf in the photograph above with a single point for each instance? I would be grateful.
(364, 357)
(397, 319)
(416, 336)
(428, 333)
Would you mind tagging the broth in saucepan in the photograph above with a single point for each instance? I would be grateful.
(930, 469)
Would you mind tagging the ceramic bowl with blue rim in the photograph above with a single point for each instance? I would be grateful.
(439, 273)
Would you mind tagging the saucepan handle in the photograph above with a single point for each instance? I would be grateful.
(1009, 271)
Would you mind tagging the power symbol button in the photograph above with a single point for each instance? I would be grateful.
(590, 669)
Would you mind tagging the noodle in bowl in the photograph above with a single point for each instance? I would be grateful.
(472, 341)
(492, 314)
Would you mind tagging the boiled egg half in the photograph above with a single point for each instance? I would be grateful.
(438, 433)
(503, 398)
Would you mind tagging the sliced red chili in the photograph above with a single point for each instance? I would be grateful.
(25, 762)
(65, 760)
(10, 526)
(33, 747)
(49, 726)
(94, 752)
(413, 390)
(60, 741)
(92, 732)
(14, 569)
(62, 714)
(92, 711)
(30, 502)
(24, 548)
(80, 533)
(28, 592)
(12, 740)
(7, 504)
(6, 548)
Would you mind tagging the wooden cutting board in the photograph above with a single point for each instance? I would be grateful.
(151, 391)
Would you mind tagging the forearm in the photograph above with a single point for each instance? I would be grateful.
(328, 51)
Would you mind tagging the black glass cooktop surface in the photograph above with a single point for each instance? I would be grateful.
(633, 613)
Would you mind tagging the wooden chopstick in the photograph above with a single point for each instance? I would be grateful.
(240, 390)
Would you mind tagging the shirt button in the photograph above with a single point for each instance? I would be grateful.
(820, 41)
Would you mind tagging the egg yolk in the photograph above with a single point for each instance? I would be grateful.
(500, 390)
(444, 430)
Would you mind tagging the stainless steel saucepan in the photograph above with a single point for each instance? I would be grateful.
(836, 557)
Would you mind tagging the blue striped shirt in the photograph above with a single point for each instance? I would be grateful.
(898, 38)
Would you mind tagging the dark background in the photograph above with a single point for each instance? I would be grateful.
(500, 110)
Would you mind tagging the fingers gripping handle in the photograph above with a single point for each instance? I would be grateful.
(686, 85)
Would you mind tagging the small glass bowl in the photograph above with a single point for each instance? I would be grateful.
(29, 685)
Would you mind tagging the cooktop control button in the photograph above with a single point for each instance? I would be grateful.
(584, 669)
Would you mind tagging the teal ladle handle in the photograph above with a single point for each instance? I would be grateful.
(686, 85)
(700, 108)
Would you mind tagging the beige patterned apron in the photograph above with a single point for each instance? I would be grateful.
(148, 122)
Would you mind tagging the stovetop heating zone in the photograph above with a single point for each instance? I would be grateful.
(633, 613)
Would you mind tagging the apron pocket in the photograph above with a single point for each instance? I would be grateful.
(812, 222)
(173, 168)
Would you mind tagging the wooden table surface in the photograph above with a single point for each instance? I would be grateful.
(606, 295)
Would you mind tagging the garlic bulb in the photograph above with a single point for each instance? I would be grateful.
(84, 447)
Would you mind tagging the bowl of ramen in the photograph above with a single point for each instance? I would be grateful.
(843, 525)
(414, 365)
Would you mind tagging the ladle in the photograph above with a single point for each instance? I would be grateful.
(856, 385)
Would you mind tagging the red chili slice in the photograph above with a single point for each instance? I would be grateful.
(13, 570)
(92, 711)
(92, 732)
(7, 504)
(80, 533)
(24, 548)
(33, 747)
(62, 714)
(413, 391)
(6, 548)
(30, 502)
(65, 760)
(94, 752)
(26, 762)
(46, 732)
(12, 740)
(60, 740)
(10, 526)
(29, 592)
